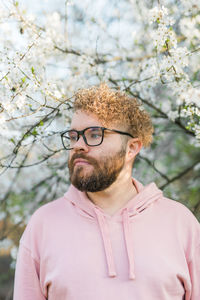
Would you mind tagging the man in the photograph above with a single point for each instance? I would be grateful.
(109, 237)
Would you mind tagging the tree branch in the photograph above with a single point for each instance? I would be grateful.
(178, 176)
(150, 163)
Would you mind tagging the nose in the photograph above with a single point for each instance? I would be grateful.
(80, 145)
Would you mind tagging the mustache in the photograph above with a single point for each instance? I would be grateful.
(83, 156)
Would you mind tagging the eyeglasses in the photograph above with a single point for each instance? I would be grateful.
(92, 136)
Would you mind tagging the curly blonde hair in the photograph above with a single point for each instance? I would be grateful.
(115, 107)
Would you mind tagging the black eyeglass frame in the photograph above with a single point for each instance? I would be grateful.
(81, 133)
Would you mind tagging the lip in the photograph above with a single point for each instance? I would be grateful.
(80, 162)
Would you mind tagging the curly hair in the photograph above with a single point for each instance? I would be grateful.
(115, 107)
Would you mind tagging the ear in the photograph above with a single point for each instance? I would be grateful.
(133, 148)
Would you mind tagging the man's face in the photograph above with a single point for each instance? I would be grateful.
(94, 169)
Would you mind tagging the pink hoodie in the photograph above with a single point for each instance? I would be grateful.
(72, 250)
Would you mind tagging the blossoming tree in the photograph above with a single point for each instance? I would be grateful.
(148, 49)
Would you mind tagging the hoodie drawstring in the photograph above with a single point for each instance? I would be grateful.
(107, 242)
(127, 234)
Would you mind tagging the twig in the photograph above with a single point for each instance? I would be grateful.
(181, 174)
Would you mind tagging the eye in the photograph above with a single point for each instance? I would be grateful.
(72, 135)
(95, 135)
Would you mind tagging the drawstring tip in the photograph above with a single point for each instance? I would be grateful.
(112, 274)
(131, 276)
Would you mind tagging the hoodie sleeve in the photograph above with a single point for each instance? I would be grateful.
(27, 284)
(194, 268)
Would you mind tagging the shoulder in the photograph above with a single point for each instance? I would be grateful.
(180, 218)
(45, 217)
(175, 208)
(50, 209)
(47, 212)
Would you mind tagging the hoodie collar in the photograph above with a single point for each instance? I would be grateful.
(144, 198)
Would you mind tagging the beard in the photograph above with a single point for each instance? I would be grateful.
(102, 173)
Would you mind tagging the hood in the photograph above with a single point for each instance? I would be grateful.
(145, 197)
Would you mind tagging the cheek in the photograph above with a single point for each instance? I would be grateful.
(110, 148)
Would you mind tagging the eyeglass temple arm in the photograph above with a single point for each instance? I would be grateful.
(118, 131)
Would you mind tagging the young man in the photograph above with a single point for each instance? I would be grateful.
(109, 237)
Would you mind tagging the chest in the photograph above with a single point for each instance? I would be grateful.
(75, 262)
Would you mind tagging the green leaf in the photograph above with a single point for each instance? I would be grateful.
(23, 79)
(26, 135)
(12, 140)
(32, 70)
(34, 132)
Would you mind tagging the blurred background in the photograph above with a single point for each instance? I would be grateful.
(49, 49)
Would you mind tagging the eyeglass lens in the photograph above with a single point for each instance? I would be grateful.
(93, 137)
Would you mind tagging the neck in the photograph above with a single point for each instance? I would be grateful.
(115, 196)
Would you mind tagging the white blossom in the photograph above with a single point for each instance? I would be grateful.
(173, 115)
(5, 244)
(2, 119)
(157, 14)
(13, 252)
(20, 101)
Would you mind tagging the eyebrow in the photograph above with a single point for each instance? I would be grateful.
(84, 128)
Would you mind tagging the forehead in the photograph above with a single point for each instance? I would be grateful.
(81, 120)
